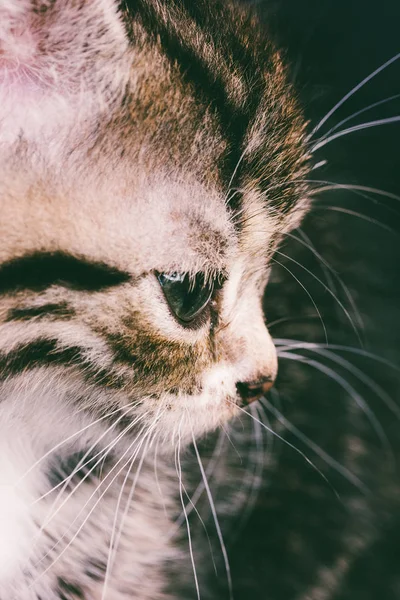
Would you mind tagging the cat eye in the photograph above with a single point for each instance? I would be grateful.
(187, 297)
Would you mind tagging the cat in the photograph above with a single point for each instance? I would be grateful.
(153, 155)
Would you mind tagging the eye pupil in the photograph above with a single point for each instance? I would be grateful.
(187, 297)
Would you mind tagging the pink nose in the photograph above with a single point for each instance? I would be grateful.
(253, 390)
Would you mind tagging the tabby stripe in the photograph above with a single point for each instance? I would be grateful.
(61, 311)
(38, 353)
(46, 352)
(63, 466)
(40, 270)
(215, 21)
(207, 84)
(69, 591)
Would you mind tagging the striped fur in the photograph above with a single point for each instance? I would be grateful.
(151, 137)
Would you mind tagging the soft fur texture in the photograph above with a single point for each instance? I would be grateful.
(155, 136)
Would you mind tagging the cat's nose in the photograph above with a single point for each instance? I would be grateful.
(253, 390)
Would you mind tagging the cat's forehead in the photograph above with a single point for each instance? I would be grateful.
(157, 221)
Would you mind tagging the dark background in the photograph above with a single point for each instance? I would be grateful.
(307, 538)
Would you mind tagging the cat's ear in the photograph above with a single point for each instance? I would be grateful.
(59, 51)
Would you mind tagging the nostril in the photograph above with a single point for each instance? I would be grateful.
(252, 390)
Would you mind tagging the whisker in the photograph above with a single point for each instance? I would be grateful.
(344, 309)
(212, 463)
(357, 113)
(229, 438)
(215, 517)
(83, 464)
(282, 439)
(149, 440)
(361, 126)
(258, 470)
(113, 546)
(332, 186)
(293, 344)
(329, 273)
(288, 319)
(354, 213)
(155, 464)
(241, 157)
(344, 384)
(179, 473)
(194, 508)
(307, 243)
(327, 458)
(386, 399)
(261, 414)
(104, 453)
(84, 522)
(308, 294)
(65, 441)
(88, 501)
(353, 91)
(114, 525)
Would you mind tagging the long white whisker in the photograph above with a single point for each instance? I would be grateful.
(103, 453)
(155, 464)
(148, 439)
(290, 344)
(88, 501)
(329, 272)
(358, 399)
(354, 213)
(228, 437)
(344, 309)
(209, 470)
(85, 520)
(234, 173)
(361, 126)
(334, 464)
(270, 437)
(357, 113)
(179, 473)
(307, 243)
(308, 294)
(282, 439)
(82, 462)
(113, 546)
(353, 91)
(332, 186)
(215, 517)
(386, 399)
(194, 508)
(114, 525)
(65, 441)
(288, 319)
(258, 470)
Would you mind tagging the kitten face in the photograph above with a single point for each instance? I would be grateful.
(128, 337)
(125, 169)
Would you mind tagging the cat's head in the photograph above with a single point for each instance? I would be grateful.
(151, 161)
